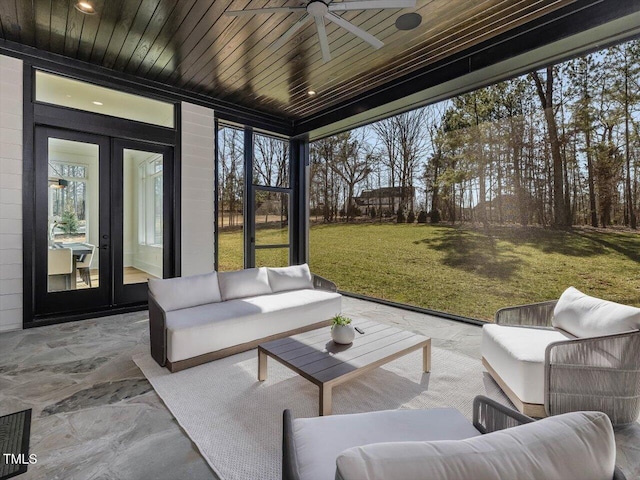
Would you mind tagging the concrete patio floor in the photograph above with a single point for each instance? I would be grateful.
(95, 416)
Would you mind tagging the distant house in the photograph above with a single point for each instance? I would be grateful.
(385, 200)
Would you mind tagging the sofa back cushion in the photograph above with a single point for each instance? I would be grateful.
(585, 316)
(295, 277)
(244, 283)
(572, 445)
(184, 292)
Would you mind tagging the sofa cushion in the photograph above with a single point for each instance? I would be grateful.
(517, 356)
(295, 277)
(585, 316)
(184, 292)
(244, 283)
(319, 440)
(573, 445)
(208, 328)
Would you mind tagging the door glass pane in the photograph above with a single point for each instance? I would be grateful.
(270, 161)
(73, 212)
(230, 190)
(272, 218)
(142, 216)
(272, 257)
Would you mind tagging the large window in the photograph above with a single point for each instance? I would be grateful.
(501, 196)
(272, 198)
(230, 247)
(265, 200)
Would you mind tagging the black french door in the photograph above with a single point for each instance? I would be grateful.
(72, 221)
(103, 221)
(142, 225)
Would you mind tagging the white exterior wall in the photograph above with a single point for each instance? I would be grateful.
(10, 193)
(198, 189)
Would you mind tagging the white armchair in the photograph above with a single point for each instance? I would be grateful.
(577, 353)
(441, 443)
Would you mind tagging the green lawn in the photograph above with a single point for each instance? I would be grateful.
(469, 272)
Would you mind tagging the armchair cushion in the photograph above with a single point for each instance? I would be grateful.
(573, 445)
(184, 292)
(244, 283)
(295, 277)
(517, 356)
(319, 440)
(585, 316)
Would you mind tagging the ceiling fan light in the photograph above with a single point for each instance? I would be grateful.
(408, 21)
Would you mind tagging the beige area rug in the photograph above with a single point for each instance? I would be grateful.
(236, 421)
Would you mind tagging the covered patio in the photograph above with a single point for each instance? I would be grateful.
(95, 415)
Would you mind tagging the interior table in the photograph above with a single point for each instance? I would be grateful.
(316, 357)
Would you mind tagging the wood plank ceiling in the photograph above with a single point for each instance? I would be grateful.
(191, 44)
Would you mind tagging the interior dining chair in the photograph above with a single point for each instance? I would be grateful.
(60, 262)
(84, 267)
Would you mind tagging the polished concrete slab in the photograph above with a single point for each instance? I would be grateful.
(96, 417)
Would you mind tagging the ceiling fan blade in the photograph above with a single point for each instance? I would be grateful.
(257, 11)
(366, 36)
(289, 33)
(371, 5)
(324, 41)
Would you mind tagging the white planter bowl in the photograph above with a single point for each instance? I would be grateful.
(343, 334)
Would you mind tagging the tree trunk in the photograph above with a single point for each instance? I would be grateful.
(592, 189)
(629, 195)
(545, 93)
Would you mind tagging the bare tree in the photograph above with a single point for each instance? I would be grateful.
(544, 87)
(352, 164)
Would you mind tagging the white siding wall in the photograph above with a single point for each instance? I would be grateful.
(10, 193)
(198, 189)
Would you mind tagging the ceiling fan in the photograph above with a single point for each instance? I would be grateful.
(321, 10)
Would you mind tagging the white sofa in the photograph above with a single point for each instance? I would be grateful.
(197, 319)
(442, 444)
(576, 353)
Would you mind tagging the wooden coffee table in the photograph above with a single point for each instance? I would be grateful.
(321, 361)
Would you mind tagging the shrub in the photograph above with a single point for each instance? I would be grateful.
(372, 212)
(400, 218)
(411, 218)
(435, 216)
(422, 217)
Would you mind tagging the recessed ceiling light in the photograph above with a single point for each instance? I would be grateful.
(97, 103)
(311, 93)
(85, 7)
(408, 21)
(68, 96)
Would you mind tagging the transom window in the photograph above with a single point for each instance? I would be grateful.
(66, 92)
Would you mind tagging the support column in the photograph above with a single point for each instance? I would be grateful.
(249, 207)
(299, 154)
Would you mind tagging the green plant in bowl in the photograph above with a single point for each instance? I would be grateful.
(340, 320)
